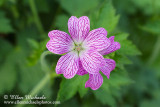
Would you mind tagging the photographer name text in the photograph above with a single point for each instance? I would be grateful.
(18, 97)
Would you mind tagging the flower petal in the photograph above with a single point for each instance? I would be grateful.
(91, 61)
(113, 47)
(108, 67)
(60, 42)
(95, 81)
(68, 65)
(97, 39)
(81, 70)
(78, 28)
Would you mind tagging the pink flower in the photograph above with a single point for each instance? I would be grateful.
(83, 50)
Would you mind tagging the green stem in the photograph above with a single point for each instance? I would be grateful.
(155, 52)
(37, 88)
(40, 85)
(44, 64)
(36, 17)
(15, 11)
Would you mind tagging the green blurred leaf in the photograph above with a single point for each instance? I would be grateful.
(69, 87)
(8, 74)
(27, 83)
(107, 17)
(5, 48)
(5, 26)
(150, 103)
(152, 27)
(61, 22)
(78, 7)
(29, 67)
(33, 43)
(2, 2)
(147, 6)
(42, 3)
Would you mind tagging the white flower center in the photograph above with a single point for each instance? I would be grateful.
(78, 47)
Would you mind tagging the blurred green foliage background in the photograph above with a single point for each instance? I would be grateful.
(25, 68)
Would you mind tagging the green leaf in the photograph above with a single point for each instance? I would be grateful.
(78, 7)
(121, 36)
(69, 87)
(120, 78)
(117, 79)
(37, 50)
(127, 47)
(122, 59)
(107, 17)
(5, 26)
(81, 89)
(105, 97)
(111, 88)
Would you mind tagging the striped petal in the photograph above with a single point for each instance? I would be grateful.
(113, 47)
(68, 65)
(95, 81)
(78, 28)
(60, 42)
(97, 39)
(81, 70)
(91, 61)
(108, 67)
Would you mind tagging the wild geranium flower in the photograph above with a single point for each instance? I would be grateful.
(83, 50)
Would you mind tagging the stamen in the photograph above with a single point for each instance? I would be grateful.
(78, 47)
